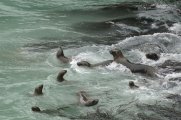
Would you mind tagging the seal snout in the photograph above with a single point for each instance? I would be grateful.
(116, 53)
(64, 72)
(41, 86)
(111, 52)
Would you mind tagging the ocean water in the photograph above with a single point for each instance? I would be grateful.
(32, 30)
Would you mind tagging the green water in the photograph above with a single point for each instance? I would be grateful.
(31, 32)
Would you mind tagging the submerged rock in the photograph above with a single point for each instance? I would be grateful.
(163, 112)
(174, 97)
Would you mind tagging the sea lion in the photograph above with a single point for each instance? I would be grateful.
(135, 68)
(152, 56)
(38, 90)
(53, 112)
(84, 100)
(35, 109)
(132, 85)
(60, 55)
(87, 64)
(60, 76)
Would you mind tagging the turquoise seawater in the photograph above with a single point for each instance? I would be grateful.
(32, 30)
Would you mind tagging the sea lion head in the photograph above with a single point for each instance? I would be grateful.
(132, 85)
(84, 63)
(38, 90)
(35, 109)
(60, 52)
(95, 101)
(60, 75)
(91, 102)
(116, 53)
(152, 56)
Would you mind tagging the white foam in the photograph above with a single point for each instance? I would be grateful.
(176, 28)
(126, 27)
(173, 75)
(148, 38)
(154, 26)
(78, 69)
(115, 66)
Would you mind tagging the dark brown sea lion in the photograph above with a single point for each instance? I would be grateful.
(84, 100)
(38, 90)
(135, 68)
(52, 112)
(60, 55)
(60, 76)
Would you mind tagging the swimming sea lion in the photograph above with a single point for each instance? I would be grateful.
(87, 64)
(54, 112)
(38, 90)
(60, 75)
(60, 111)
(61, 57)
(135, 68)
(35, 109)
(132, 85)
(84, 100)
(152, 56)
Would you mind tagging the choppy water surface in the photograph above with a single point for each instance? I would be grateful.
(32, 30)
